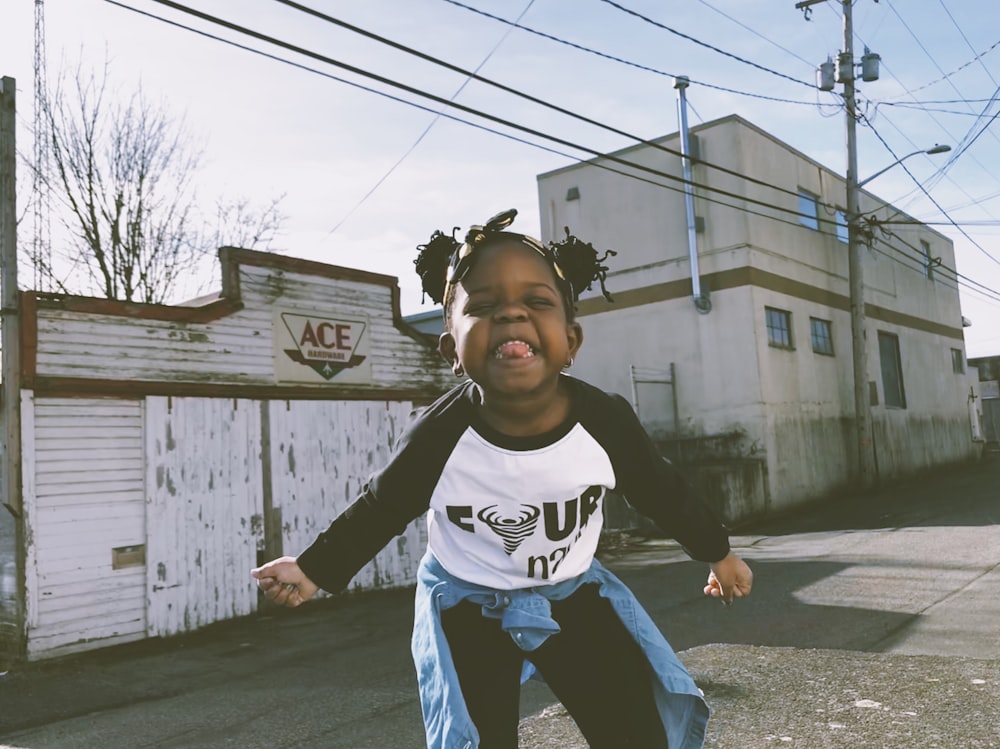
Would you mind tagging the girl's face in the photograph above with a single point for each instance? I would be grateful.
(509, 328)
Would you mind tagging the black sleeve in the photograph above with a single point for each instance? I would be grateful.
(392, 498)
(650, 483)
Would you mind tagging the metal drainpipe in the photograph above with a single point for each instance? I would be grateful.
(701, 301)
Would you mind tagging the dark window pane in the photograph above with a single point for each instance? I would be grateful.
(841, 221)
(808, 209)
(779, 327)
(958, 361)
(822, 338)
(892, 370)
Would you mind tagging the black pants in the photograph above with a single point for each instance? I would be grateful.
(592, 665)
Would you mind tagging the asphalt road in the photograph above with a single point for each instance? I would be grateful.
(910, 571)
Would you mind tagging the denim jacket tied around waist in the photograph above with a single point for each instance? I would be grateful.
(526, 615)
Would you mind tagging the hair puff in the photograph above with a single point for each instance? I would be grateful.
(581, 265)
(432, 263)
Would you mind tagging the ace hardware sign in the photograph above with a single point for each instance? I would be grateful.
(315, 348)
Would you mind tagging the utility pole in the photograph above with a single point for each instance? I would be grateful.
(11, 525)
(856, 266)
(10, 336)
(856, 270)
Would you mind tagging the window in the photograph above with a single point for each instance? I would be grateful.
(779, 327)
(957, 361)
(892, 370)
(925, 248)
(809, 209)
(840, 226)
(822, 339)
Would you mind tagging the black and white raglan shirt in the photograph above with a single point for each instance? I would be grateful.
(514, 512)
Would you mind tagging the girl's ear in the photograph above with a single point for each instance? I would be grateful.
(574, 337)
(446, 347)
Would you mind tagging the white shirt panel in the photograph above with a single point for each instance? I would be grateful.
(511, 519)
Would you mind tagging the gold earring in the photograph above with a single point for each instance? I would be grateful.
(458, 370)
(568, 364)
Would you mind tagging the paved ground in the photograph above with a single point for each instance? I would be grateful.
(875, 622)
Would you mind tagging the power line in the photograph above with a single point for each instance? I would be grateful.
(476, 125)
(956, 277)
(930, 197)
(681, 34)
(978, 57)
(613, 58)
(925, 108)
(507, 89)
(944, 168)
(427, 129)
(961, 67)
(756, 33)
(595, 163)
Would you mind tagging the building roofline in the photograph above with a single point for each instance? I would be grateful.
(738, 119)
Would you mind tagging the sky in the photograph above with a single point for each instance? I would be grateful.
(367, 171)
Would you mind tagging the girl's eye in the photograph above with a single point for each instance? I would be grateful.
(540, 303)
(479, 309)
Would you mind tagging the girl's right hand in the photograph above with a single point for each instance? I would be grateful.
(283, 582)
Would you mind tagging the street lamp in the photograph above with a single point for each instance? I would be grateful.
(929, 152)
(859, 348)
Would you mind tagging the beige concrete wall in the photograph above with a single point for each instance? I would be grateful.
(796, 407)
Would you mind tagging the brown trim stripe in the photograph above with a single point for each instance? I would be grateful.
(80, 387)
(210, 312)
(749, 276)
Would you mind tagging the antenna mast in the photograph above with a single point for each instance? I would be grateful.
(41, 251)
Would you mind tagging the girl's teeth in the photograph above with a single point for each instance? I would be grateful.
(513, 350)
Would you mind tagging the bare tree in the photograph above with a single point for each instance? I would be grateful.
(124, 172)
(240, 223)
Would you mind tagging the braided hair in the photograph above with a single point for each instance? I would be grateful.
(443, 261)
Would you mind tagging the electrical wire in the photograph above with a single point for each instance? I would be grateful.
(509, 136)
(606, 56)
(398, 99)
(507, 89)
(954, 276)
(978, 57)
(944, 168)
(960, 68)
(756, 33)
(925, 108)
(430, 125)
(931, 198)
(681, 34)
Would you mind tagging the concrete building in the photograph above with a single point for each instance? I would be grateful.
(750, 384)
(988, 368)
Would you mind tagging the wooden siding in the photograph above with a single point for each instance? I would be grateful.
(163, 459)
(84, 497)
(235, 349)
(204, 480)
(321, 455)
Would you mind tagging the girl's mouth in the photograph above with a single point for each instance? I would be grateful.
(513, 350)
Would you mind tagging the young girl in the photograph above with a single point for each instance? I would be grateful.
(511, 467)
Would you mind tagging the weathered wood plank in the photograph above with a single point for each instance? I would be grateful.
(203, 520)
(321, 455)
(73, 533)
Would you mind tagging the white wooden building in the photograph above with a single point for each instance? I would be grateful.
(167, 450)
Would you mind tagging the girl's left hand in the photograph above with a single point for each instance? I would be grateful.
(729, 578)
